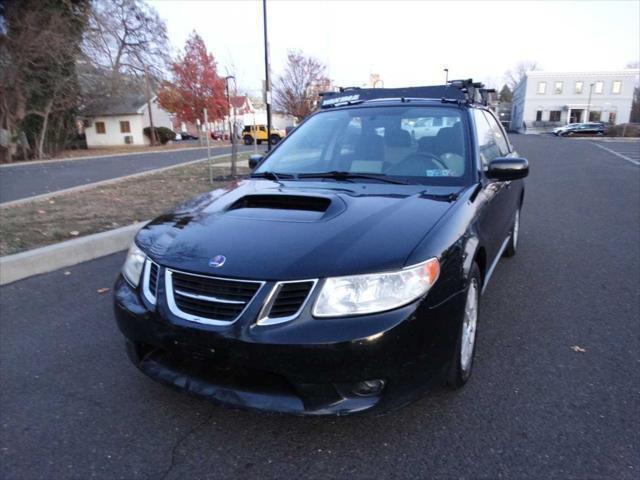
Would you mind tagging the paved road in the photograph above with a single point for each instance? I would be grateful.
(24, 181)
(71, 406)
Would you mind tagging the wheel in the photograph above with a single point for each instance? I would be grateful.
(273, 139)
(248, 140)
(462, 361)
(512, 246)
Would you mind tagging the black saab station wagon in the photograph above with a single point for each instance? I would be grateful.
(345, 273)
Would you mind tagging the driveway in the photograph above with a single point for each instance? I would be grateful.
(72, 406)
(22, 181)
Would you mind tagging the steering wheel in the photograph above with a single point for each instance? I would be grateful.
(429, 162)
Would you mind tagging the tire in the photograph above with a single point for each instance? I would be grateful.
(464, 353)
(512, 246)
(273, 139)
(248, 140)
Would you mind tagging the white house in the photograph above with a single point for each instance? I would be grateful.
(543, 100)
(121, 120)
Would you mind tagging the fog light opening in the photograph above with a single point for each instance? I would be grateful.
(367, 388)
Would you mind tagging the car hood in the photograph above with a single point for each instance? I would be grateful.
(296, 229)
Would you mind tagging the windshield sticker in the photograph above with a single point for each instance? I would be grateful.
(343, 99)
(439, 173)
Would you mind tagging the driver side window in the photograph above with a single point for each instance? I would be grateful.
(485, 139)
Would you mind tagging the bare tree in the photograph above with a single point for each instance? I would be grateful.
(38, 50)
(517, 73)
(123, 37)
(296, 90)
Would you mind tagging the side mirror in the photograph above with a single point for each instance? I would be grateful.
(254, 160)
(505, 168)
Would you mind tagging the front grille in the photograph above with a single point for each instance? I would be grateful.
(150, 281)
(153, 278)
(208, 299)
(290, 298)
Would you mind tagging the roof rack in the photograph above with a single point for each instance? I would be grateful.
(455, 91)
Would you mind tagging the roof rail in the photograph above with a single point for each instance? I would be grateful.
(455, 91)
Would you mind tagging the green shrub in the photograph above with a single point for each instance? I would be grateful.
(163, 134)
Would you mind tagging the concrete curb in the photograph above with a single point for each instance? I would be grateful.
(64, 254)
(111, 180)
(92, 157)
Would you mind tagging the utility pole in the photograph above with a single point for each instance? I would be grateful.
(152, 135)
(232, 128)
(206, 130)
(589, 101)
(267, 84)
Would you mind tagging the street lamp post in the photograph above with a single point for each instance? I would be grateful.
(232, 128)
(589, 101)
(267, 85)
(446, 76)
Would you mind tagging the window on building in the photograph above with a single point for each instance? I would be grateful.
(579, 87)
(594, 116)
(598, 87)
(539, 116)
(554, 115)
(542, 88)
(558, 88)
(125, 127)
(100, 127)
(616, 87)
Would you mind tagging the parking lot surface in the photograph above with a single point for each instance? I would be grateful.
(22, 181)
(554, 394)
(628, 150)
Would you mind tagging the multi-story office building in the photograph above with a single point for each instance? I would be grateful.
(543, 100)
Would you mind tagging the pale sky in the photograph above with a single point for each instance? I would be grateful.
(410, 42)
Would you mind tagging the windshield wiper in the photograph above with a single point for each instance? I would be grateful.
(336, 175)
(271, 175)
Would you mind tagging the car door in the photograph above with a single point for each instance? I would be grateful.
(494, 219)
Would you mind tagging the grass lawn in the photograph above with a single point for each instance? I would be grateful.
(65, 216)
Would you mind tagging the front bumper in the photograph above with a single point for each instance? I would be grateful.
(306, 366)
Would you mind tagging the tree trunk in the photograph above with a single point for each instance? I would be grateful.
(43, 130)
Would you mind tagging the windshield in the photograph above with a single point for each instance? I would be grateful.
(424, 144)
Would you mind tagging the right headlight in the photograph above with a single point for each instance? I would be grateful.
(361, 294)
(133, 265)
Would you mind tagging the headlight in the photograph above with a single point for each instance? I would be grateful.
(132, 268)
(360, 294)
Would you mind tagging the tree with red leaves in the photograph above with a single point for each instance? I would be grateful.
(196, 85)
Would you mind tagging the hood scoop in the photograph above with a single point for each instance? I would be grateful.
(282, 202)
(282, 207)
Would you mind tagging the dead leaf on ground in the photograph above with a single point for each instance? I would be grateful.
(41, 212)
(578, 349)
(102, 290)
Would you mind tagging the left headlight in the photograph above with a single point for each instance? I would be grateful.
(361, 294)
(133, 265)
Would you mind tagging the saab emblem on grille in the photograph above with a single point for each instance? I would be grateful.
(217, 261)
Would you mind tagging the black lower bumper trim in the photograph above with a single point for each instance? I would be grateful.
(242, 388)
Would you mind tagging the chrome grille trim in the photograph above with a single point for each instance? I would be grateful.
(173, 307)
(151, 296)
(263, 316)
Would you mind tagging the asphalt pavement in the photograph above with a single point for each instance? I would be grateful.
(71, 405)
(27, 180)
